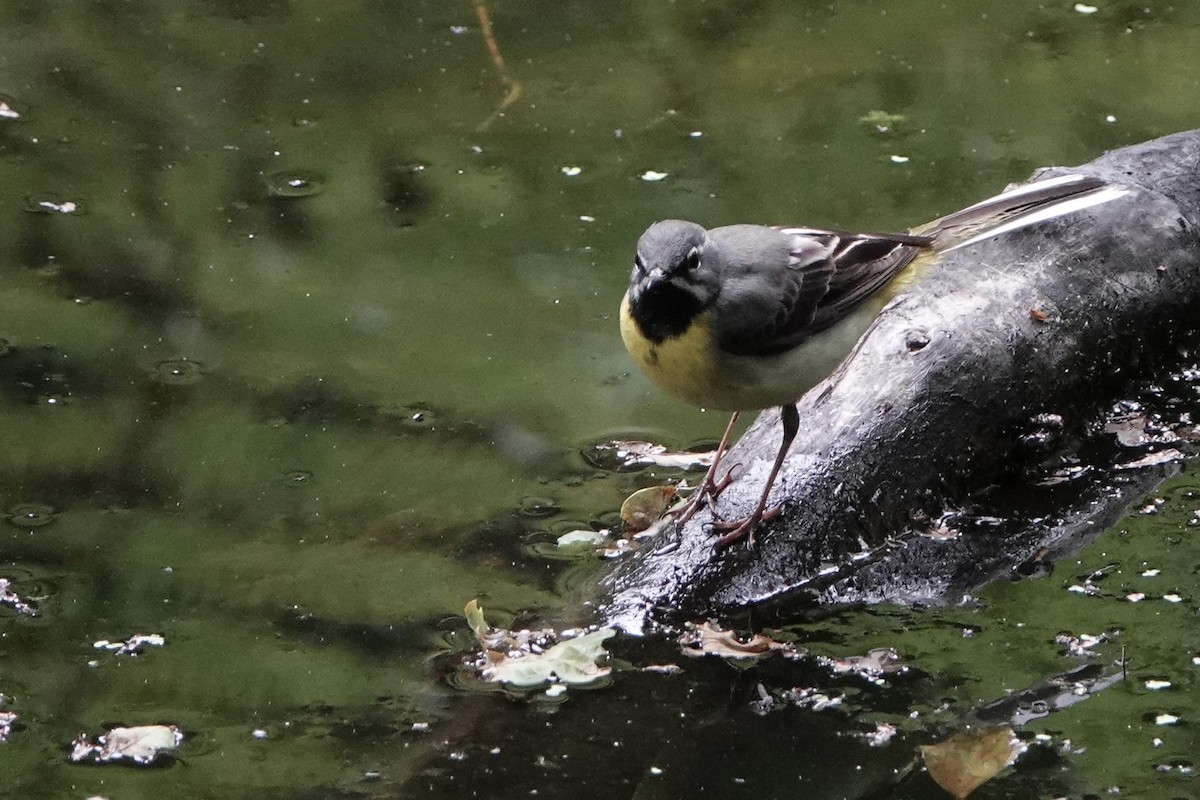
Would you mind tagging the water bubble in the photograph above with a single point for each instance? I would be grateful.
(297, 477)
(295, 183)
(609, 519)
(31, 515)
(51, 269)
(537, 507)
(411, 415)
(178, 372)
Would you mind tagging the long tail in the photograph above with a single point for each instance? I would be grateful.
(1016, 208)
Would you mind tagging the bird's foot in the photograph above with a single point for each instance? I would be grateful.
(736, 530)
(706, 494)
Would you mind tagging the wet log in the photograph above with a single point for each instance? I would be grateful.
(1005, 351)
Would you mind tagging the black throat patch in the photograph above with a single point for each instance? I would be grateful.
(664, 311)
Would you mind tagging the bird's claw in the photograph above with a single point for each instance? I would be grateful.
(736, 530)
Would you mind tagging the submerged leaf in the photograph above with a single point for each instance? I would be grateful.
(968, 759)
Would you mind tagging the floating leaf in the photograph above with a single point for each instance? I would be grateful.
(646, 506)
(575, 661)
(474, 614)
(968, 759)
(143, 745)
(709, 639)
(526, 659)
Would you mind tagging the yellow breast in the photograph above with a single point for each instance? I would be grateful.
(683, 365)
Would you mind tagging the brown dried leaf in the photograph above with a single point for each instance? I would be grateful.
(967, 760)
(709, 639)
(646, 506)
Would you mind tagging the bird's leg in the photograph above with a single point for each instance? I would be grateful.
(707, 491)
(739, 529)
(709, 487)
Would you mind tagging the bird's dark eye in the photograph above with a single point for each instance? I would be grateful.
(692, 260)
(638, 264)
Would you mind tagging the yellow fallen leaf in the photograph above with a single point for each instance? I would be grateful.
(646, 506)
(968, 759)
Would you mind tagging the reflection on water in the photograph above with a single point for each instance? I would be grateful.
(302, 331)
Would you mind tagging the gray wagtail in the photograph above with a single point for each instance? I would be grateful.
(734, 318)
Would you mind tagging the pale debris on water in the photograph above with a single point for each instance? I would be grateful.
(13, 600)
(1080, 646)
(1153, 460)
(883, 734)
(133, 645)
(7, 719)
(1083, 8)
(812, 698)
(897, 159)
(571, 171)
(651, 176)
(143, 744)
(873, 666)
(663, 669)
(638, 454)
(51, 207)
(585, 536)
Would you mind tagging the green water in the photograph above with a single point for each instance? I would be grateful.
(294, 435)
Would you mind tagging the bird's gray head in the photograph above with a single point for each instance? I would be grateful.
(674, 278)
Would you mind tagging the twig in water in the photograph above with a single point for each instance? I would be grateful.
(493, 47)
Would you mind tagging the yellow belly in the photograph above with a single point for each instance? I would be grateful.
(682, 365)
(692, 368)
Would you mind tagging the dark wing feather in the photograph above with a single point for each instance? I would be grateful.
(773, 308)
